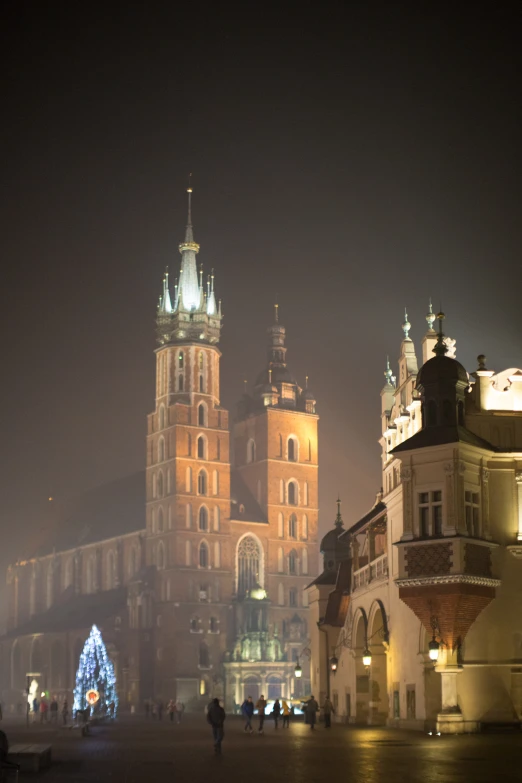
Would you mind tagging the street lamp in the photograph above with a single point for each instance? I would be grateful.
(298, 672)
(333, 664)
(367, 658)
(433, 650)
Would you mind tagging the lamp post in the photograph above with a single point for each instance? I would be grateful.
(434, 646)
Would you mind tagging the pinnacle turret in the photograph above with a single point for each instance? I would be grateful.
(194, 315)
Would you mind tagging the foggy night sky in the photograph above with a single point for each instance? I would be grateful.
(352, 158)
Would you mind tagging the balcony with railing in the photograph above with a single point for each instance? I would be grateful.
(375, 571)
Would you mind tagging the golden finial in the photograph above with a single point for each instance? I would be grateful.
(189, 189)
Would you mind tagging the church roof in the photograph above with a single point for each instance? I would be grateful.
(243, 505)
(373, 513)
(74, 612)
(438, 436)
(105, 512)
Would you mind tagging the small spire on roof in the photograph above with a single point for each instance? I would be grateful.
(406, 326)
(338, 518)
(276, 313)
(306, 381)
(388, 373)
(431, 318)
(440, 346)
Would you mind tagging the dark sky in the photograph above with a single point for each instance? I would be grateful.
(350, 158)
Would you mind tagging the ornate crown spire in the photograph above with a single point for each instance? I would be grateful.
(189, 288)
(338, 519)
(406, 326)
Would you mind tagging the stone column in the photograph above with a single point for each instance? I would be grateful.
(518, 479)
(407, 496)
(485, 502)
(450, 528)
(451, 720)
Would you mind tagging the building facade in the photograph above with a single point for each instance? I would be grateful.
(207, 595)
(418, 614)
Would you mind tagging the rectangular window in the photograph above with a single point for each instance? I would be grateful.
(430, 514)
(292, 597)
(410, 702)
(472, 509)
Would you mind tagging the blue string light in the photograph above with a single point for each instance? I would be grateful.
(96, 672)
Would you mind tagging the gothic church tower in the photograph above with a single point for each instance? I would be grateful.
(188, 481)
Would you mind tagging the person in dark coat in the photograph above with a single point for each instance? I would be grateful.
(328, 710)
(261, 707)
(311, 711)
(247, 708)
(216, 717)
(276, 712)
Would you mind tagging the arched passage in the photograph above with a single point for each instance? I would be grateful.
(377, 642)
(362, 676)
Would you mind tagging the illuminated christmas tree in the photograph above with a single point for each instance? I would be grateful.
(95, 678)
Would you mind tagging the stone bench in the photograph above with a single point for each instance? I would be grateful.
(30, 758)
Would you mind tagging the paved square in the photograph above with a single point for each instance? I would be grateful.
(133, 750)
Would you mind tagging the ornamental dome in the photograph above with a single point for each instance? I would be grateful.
(441, 368)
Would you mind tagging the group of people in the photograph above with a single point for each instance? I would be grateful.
(48, 711)
(154, 709)
(281, 710)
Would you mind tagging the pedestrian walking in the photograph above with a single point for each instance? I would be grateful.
(328, 710)
(171, 709)
(160, 709)
(311, 711)
(216, 717)
(65, 712)
(286, 714)
(43, 710)
(276, 712)
(261, 707)
(180, 709)
(247, 708)
(54, 710)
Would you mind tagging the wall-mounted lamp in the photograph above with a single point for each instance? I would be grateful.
(333, 664)
(367, 658)
(298, 672)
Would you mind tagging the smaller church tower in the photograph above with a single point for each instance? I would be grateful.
(275, 449)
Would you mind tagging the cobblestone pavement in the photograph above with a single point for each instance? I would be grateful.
(135, 750)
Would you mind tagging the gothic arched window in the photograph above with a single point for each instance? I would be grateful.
(203, 555)
(251, 450)
(180, 383)
(292, 563)
(202, 415)
(180, 360)
(161, 522)
(203, 518)
(292, 450)
(202, 448)
(202, 482)
(292, 526)
(292, 493)
(248, 565)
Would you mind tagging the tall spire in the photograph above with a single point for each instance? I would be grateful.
(189, 288)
